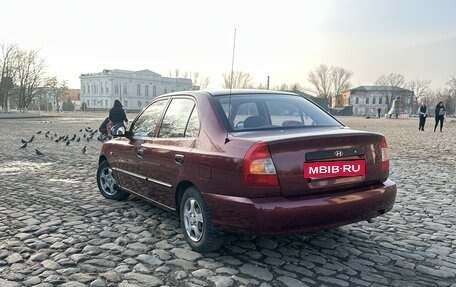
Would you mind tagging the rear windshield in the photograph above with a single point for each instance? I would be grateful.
(265, 111)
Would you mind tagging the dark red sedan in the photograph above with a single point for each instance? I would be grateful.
(247, 161)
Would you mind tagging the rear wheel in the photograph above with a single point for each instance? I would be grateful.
(107, 184)
(196, 222)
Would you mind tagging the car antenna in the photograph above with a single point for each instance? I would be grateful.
(231, 85)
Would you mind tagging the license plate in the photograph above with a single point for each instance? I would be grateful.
(337, 168)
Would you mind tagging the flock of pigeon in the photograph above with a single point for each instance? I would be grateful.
(66, 139)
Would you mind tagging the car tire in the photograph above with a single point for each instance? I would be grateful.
(107, 184)
(196, 223)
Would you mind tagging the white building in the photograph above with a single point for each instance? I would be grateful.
(367, 99)
(134, 89)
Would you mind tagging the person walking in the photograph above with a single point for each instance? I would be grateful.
(423, 115)
(439, 115)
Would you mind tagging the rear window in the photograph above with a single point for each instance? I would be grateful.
(265, 111)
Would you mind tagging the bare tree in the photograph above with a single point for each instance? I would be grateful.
(261, 86)
(30, 70)
(56, 90)
(450, 90)
(436, 96)
(288, 87)
(197, 80)
(320, 78)
(340, 79)
(237, 80)
(176, 73)
(451, 86)
(421, 90)
(391, 84)
(203, 83)
(284, 87)
(330, 81)
(8, 61)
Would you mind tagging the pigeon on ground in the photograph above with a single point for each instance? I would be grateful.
(24, 145)
(38, 132)
(38, 152)
(23, 141)
(79, 139)
(84, 149)
(67, 142)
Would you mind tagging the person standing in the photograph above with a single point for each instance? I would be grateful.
(379, 110)
(439, 115)
(423, 115)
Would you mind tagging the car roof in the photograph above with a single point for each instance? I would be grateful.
(224, 92)
(246, 91)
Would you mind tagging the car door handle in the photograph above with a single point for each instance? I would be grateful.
(179, 158)
(140, 152)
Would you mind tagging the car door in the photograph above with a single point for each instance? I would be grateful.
(166, 154)
(130, 164)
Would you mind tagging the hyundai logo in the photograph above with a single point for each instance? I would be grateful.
(339, 153)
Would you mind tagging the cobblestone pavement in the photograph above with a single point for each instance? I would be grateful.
(57, 230)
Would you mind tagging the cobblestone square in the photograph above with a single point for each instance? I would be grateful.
(57, 230)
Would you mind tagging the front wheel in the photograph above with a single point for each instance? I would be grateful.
(196, 222)
(107, 184)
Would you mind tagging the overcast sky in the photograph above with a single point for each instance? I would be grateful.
(281, 39)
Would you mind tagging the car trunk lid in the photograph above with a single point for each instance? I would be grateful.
(322, 160)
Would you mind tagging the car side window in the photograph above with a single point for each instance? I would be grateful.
(176, 118)
(193, 126)
(146, 123)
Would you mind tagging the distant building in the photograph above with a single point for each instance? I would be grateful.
(366, 100)
(74, 95)
(133, 88)
(341, 100)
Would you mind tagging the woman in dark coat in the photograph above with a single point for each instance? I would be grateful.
(117, 114)
(439, 115)
(423, 114)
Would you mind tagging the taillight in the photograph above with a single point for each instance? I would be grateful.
(258, 167)
(385, 155)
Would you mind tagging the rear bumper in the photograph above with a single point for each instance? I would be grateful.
(281, 216)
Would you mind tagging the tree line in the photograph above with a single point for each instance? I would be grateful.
(23, 79)
(336, 80)
(330, 81)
